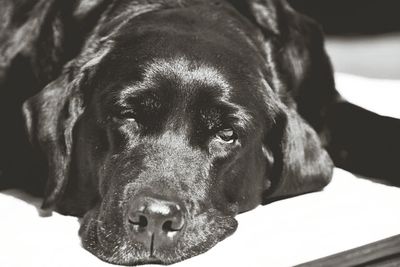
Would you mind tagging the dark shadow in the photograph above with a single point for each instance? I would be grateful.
(375, 180)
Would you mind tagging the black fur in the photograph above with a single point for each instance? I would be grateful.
(129, 98)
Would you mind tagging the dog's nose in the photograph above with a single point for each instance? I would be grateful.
(155, 222)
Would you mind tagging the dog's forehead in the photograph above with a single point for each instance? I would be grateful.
(218, 38)
(174, 57)
(185, 75)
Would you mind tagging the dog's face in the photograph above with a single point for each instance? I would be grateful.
(175, 130)
(170, 138)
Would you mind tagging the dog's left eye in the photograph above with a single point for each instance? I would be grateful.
(127, 114)
(227, 135)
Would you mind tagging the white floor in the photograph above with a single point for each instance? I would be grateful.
(350, 212)
(376, 56)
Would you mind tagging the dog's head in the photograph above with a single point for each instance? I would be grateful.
(173, 121)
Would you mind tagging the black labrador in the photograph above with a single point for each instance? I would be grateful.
(157, 121)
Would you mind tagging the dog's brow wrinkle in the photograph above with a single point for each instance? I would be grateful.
(184, 71)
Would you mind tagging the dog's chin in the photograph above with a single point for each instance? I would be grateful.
(111, 243)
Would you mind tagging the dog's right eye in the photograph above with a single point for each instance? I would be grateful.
(227, 136)
(128, 115)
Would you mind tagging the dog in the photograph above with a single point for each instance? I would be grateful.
(157, 121)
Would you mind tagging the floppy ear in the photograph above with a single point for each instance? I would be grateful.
(50, 117)
(299, 162)
(302, 78)
(294, 50)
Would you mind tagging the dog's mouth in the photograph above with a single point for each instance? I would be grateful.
(115, 243)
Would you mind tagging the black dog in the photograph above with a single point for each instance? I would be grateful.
(158, 121)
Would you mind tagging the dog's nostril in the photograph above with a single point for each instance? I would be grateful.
(167, 227)
(141, 221)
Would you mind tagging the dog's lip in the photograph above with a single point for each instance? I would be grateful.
(154, 260)
(149, 260)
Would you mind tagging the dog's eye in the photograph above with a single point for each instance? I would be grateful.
(227, 135)
(126, 115)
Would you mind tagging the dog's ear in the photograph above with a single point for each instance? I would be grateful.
(299, 162)
(50, 117)
(88, 11)
(294, 50)
(302, 79)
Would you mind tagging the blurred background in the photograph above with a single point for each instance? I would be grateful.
(363, 36)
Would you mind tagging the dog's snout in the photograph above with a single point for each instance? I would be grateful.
(154, 221)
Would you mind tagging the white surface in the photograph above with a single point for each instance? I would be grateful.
(381, 96)
(350, 212)
(375, 56)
